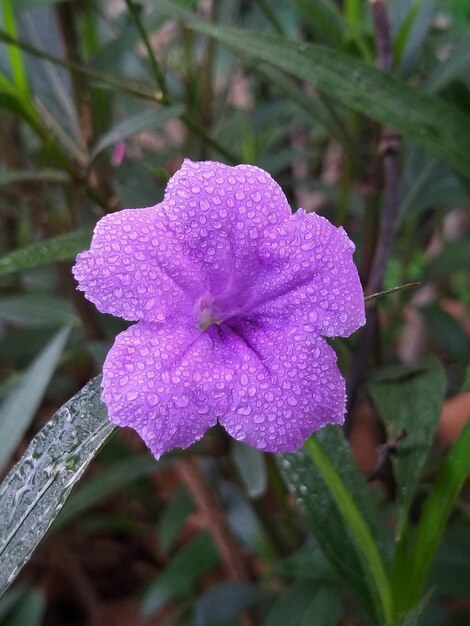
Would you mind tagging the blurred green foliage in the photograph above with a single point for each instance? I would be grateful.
(99, 102)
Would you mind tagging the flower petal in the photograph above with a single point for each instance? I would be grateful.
(166, 382)
(136, 268)
(221, 214)
(288, 385)
(310, 275)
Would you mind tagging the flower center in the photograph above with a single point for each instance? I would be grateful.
(205, 313)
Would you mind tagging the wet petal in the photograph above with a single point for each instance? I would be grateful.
(165, 382)
(310, 276)
(287, 386)
(221, 214)
(137, 269)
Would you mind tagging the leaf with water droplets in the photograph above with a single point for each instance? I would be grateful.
(37, 487)
(60, 248)
(353, 551)
(424, 119)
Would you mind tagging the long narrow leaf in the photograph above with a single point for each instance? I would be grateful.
(136, 124)
(14, 54)
(60, 248)
(311, 478)
(37, 487)
(437, 508)
(354, 524)
(421, 118)
(20, 405)
(8, 177)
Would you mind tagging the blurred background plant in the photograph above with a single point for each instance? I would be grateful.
(99, 103)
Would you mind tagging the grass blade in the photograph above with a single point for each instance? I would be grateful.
(426, 120)
(60, 248)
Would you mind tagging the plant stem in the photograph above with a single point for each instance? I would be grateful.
(156, 69)
(208, 505)
(389, 148)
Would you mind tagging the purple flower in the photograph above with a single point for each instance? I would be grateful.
(233, 295)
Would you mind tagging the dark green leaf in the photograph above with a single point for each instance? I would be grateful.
(421, 118)
(325, 608)
(450, 574)
(21, 403)
(142, 121)
(223, 604)
(412, 403)
(251, 465)
(37, 487)
(456, 65)
(336, 530)
(29, 4)
(309, 563)
(323, 113)
(61, 248)
(173, 518)
(34, 311)
(190, 563)
(413, 617)
(325, 19)
(111, 479)
(416, 27)
(436, 510)
(454, 258)
(8, 177)
(29, 611)
(292, 605)
(447, 333)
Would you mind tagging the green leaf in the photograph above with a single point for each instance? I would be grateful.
(37, 487)
(251, 465)
(30, 4)
(436, 511)
(60, 248)
(466, 382)
(222, 604)
(325, 19)
(450, 572)
(307, 563)
(416, 26)
(291, 605)
(175, 582)
(7, 177)
(136, 124)
(20, 405)
(412, 402)
(456, 65)
(173, 518)
(14, 54)
(323, 113)
(325, 608)
(340, 513)
(37, 311)
(420, 117)
(304, 604)
(29, 611)
(9, 599)
(447, 333)
(413, 617)
(454, 258)
(108, 481)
